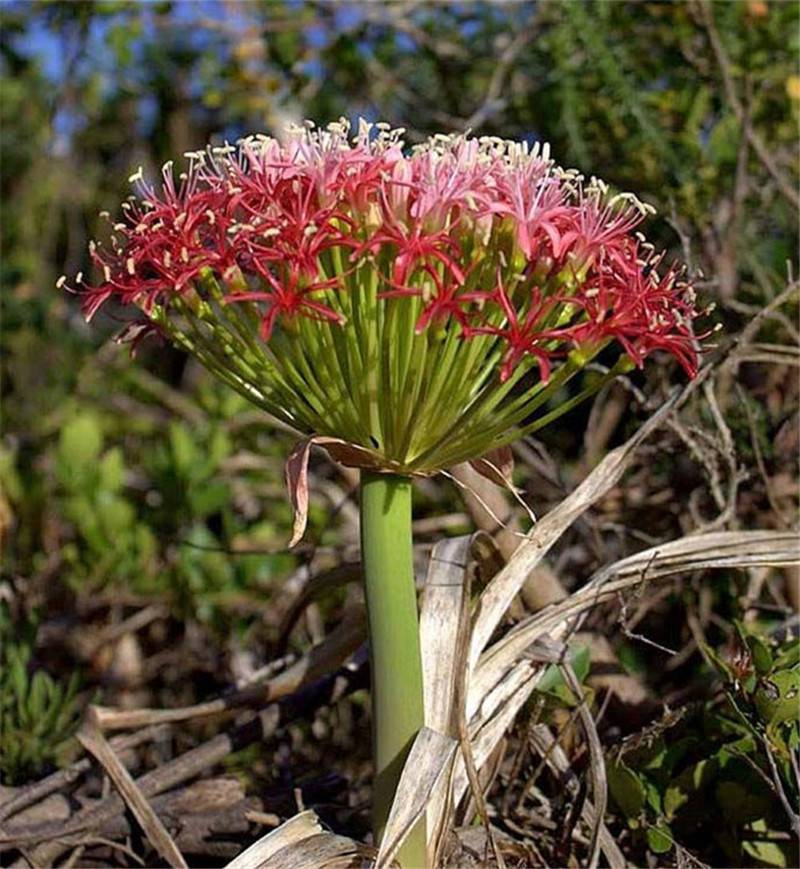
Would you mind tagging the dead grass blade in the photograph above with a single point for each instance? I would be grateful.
(444, 643)
(94, 742)
(701, 552)
(504, 679)
(318, 661)
(322, 851)
(555, 758)
(500, 592)
(429, 764)
(442, 636)
(291, 832)
(494, 719)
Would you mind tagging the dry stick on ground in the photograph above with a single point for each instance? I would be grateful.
(59, 837)
(37, 791)
(206, 818)
(92, 739)
(321, 659)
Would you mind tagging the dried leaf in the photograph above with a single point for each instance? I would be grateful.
(94, 742)
(297, 484)
(296, 472)
(428, 764)
(441, 639)
(293, 831)
(497, 466)
(497, 596)
(321, 851)
(700, 552)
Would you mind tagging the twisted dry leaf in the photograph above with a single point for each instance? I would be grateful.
(92, 739)
(726, 549)
(429, 763)
(497, 596)
(293, 831)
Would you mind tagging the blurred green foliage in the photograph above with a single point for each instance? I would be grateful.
(38, 715)
(734, 753)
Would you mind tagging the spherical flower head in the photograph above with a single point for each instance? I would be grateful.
(423, 305)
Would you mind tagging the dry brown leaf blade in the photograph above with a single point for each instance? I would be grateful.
(497, 466)
(725, 549)
(428, 763)
(297, 484)
(295, 830)
(321, 851)
(500, 592)
(94, 742)
(504, 680)
(442, 641)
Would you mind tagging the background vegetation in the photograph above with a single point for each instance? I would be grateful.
(142, 511)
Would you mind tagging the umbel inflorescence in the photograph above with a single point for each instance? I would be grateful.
(424, 305)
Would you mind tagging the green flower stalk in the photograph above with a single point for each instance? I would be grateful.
(411, 310)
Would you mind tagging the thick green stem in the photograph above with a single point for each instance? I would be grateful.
(386, 552)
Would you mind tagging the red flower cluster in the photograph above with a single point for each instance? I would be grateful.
(489, 235)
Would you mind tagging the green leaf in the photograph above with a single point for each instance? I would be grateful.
(219, 447)
(723, 142)
(184, 450)
(626, 790)
(10, 479)
(19, 677)
(788, 657)
(37, 699)
(79, 447)
(766, 852)
(112, 470)
(659, 839)
(742, 803)
(653, 794)
(209, 498)
(761, 654)
(778, 697)
(553, 683)
(688, 783)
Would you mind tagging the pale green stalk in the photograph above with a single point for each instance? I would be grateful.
(397, 701)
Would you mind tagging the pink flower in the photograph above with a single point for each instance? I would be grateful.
(524, 334)
(281, 225)
(288, 296)
(446, 300)
(628, 300)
